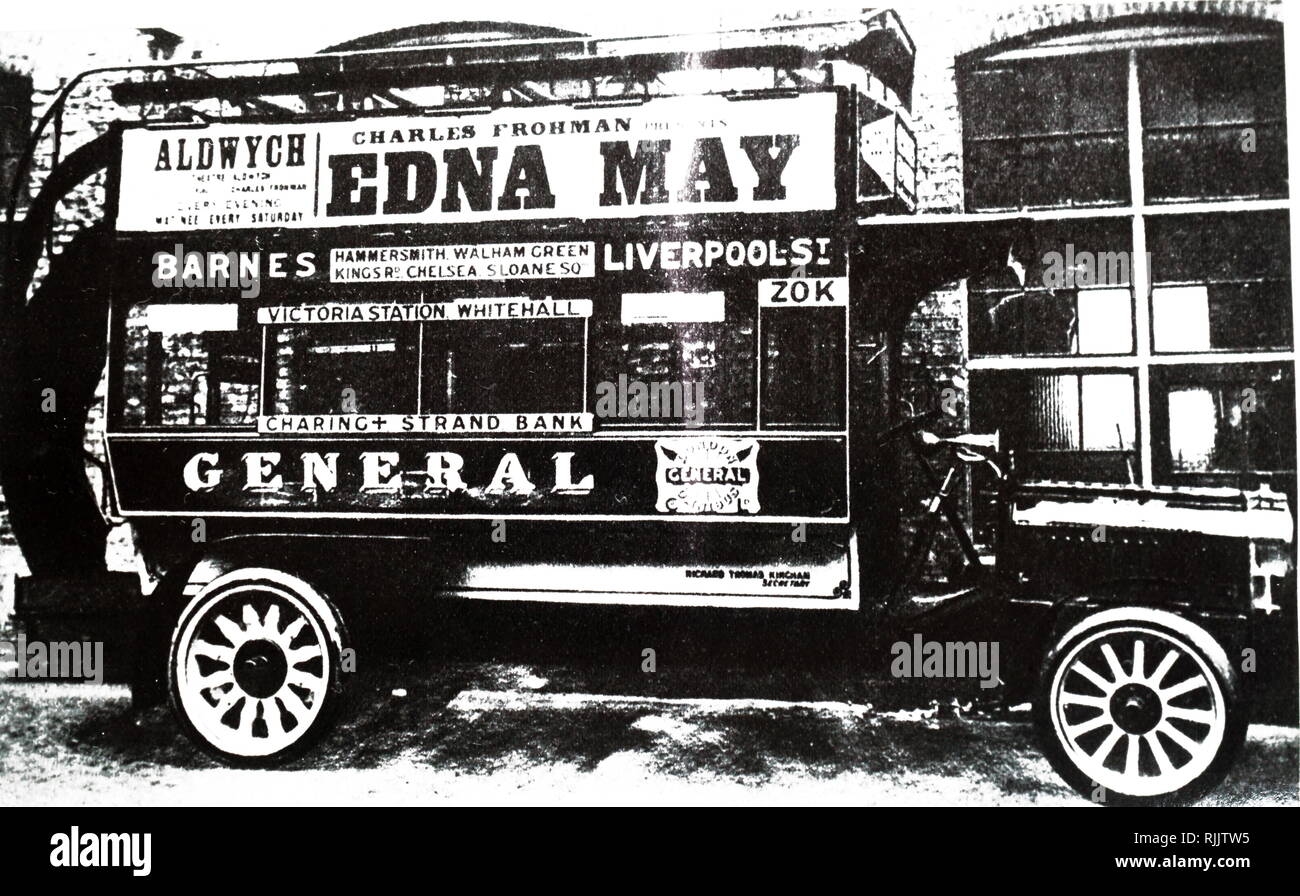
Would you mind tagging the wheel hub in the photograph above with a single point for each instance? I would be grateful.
(260, 668)
(1136, 708)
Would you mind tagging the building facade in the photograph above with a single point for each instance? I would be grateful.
(1145, 336)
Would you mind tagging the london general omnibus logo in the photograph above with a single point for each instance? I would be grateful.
(707, 475)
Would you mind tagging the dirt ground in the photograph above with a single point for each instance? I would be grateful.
(496, 733)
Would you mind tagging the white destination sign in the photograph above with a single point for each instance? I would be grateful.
(804, 292)
(440, 424)
(412, 312)
(479, 261)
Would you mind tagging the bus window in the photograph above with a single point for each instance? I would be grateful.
(184, 368)
(345, 369)
(803, 367)
(712, 360)
(502, 366)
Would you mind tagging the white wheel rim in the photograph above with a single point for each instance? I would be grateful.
(227, 669)
(1138, 710)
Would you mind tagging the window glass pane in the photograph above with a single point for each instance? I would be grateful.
(1044, 172)
(1201, 418)
(236, 372)
(502, 367)
(1213, 119)
(1049, 323)
(1221, 421)
(1068, 303)
(187, 365)
(1079, 94)
(1180, 318)
(1213, 162)
(1105, 321)
(994, 102)
(1193, 429)
(1230, 83)
(1108, 412)
(1032, 126)
(803, 373)
(1236, 246)
(1236, 270)
(1041, 322)
(713, 359)
(1054, 413)
(345, 369)
(1250, 315)
(1238, 316)
(1061, 426)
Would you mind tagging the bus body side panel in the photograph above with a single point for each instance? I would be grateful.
(272, 374)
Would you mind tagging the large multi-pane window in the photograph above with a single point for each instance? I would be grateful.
(1065, 426)
(1032, 125)
(1213, 121)
(1148, 337)
(1052, 125)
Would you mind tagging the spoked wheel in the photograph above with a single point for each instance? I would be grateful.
(254, 667)
(1142, 703)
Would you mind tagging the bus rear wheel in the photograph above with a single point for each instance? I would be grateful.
(254, 669)
(1139, 706)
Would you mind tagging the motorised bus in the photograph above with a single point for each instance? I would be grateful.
(573, 321)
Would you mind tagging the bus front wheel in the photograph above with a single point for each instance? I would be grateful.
(1139, 706)
(255, 666)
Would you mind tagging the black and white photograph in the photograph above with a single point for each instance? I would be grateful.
(673, 404)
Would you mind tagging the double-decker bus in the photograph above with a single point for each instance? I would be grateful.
(563, 320)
